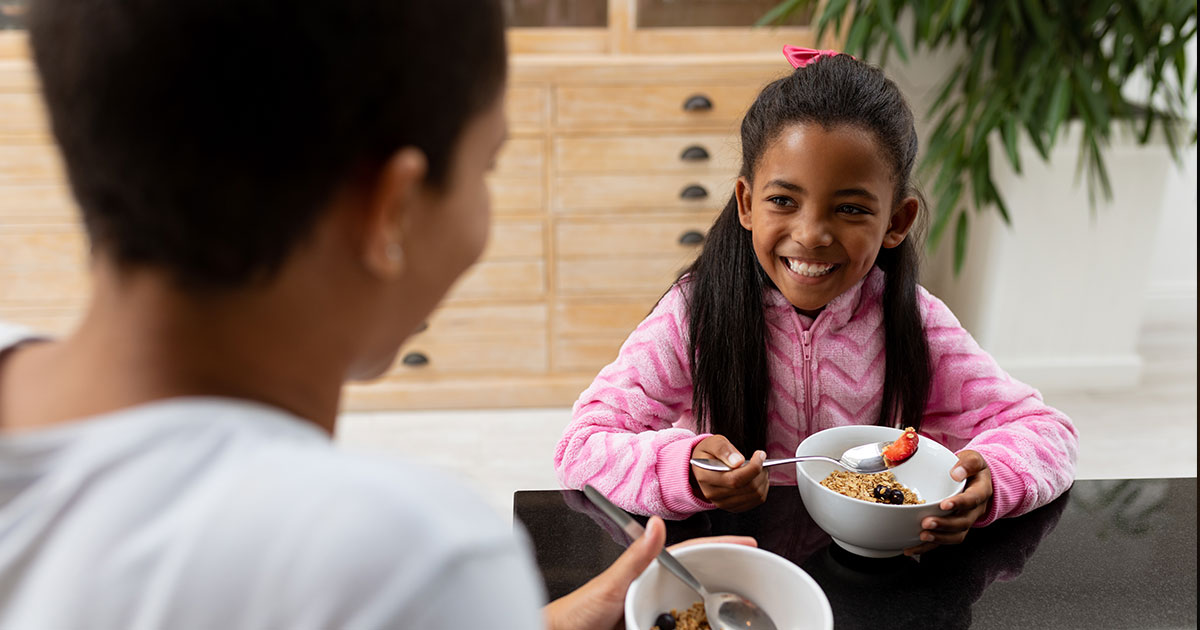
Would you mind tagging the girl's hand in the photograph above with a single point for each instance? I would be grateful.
(600, 604)
(965, 508)
(738, 490)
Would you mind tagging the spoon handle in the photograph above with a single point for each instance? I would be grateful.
(803, 458)
(716, 465)
(635, 531)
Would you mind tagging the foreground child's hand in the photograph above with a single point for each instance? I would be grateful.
(965, 508)
(738, 490)
(600, 604)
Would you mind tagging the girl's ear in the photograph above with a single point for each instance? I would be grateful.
(393, 195)
(742, 193)
(901, 222)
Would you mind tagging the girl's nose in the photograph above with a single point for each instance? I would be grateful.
(812, 232)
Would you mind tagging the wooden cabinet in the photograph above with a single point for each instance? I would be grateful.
(623, 148)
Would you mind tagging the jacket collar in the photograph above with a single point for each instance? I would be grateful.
(840, 310)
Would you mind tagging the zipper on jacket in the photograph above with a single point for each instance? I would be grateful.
(806, 351)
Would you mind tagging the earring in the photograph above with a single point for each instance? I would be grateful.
(394, 252)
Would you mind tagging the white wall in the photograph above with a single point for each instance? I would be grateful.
(1171, 295)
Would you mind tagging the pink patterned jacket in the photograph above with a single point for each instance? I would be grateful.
(632, 431)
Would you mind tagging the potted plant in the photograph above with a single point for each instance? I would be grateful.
(1022, 100)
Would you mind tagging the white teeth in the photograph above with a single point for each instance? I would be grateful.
(812, 270)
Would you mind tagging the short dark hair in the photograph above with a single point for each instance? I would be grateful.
(205, 136)
(727, 330)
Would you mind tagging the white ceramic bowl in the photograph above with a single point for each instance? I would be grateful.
(875, 530)
(783, 590)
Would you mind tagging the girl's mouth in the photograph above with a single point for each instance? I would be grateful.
(809, 269)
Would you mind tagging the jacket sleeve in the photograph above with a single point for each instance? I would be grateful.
(1030, 447)
(621, 437)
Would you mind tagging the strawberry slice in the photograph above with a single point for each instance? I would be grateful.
(902, 448)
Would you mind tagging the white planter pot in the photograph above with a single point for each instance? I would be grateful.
(1058, 298)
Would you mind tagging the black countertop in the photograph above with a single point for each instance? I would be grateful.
(1107, 554)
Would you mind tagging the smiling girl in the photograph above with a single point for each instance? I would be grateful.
(803, 313)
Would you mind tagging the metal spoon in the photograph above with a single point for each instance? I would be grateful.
(725, 611)
(863, 459)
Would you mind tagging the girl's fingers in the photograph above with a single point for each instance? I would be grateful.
(970, 463)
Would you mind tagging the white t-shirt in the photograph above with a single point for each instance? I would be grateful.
(220, 514)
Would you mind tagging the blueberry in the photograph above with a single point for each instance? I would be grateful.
(879, 491)
(895, 497)
(665, 622)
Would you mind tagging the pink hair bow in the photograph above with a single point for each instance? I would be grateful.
(800, 57)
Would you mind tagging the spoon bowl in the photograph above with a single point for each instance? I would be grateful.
(863, 459)
(725, 611)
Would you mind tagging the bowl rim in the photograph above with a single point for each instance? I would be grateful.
(769, 556)
(959, 485)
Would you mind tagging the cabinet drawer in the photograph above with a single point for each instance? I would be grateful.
(600, 238)
(605, 318)
(707, 191)
(523, 157)
(499, 338)
(520, 279)
(588, 354)
(642, 276)
(504, 354)
(463, 322)
(525, 106)
(682, 153)
(512, 195)
(649, 105)
(515, 239)
(30, 163)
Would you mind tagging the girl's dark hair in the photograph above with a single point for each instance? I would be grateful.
(203, 137)
(728, 335)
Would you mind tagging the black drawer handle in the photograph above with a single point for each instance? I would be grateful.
(694, 153)
(697, 103)
(691, 237)
(693, 192)
(415, 359)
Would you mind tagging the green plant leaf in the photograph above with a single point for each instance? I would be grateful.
(979, 183)
(856, 40)
(922, 17)
(1060, 103)
(887, 18)
(1008, 131)
(999, 201)
(960, 243)
(944, 211)
(959, 12)
(1036, 140)
(1041, 24)
(834, 11)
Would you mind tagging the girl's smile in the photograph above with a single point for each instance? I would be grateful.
(821, 204)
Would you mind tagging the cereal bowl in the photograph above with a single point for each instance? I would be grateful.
(876, 530)
(783, 590)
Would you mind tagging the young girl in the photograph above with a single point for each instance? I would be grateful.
(803, 313)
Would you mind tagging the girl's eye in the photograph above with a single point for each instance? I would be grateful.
(853, 210)
(781, 201)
